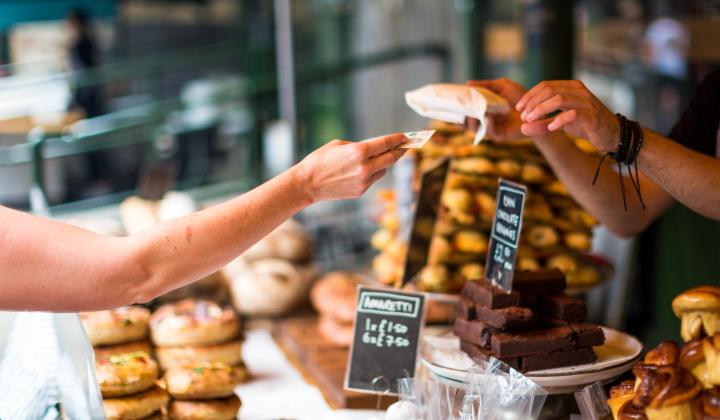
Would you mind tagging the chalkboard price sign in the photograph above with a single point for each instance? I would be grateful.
(385, 342)
(505, 236)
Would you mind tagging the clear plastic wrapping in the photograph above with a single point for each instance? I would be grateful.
(592, 402)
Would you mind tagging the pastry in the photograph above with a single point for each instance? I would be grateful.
(580, 241)
(335, 331)
(289, 241)
(542, 236)
(125, 374)
(440, 250)
(527, 264)
(666, 392)
(508, 168)
(335, 295)
(457, 200)
(665, 354)
(707, 405)
(562, 262)
(381, 239)
(533, 173)
(135, 406)
(692, 358)
(229, 353)
(138, 214)
(472, 271)
(471, 242)
(192, 322)
(122, 325)
(699, 312)
(388, 269)
(711, 348)
(203, 381)
(585, 275)
(222, 409)
(486, 204)
(104, 352)
(433, 278)
(474, 165)
(621, 395)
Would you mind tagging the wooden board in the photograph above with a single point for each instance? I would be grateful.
(322, 363)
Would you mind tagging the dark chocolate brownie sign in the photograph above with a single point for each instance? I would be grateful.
(505, 236)
(385, 342)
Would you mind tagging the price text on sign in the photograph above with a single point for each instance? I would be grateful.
(505, 236)
(385, 341)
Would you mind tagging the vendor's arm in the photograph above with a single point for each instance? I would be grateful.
(688, 176)
(576, 168)
(48, 265)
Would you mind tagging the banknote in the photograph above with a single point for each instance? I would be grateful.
(417, 139)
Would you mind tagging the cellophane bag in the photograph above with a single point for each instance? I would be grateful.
(592, 402)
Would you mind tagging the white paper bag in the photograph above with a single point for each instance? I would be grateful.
(452, 103)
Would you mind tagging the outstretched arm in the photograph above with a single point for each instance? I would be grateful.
(48, 265)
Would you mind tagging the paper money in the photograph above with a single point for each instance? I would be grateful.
(417, 139)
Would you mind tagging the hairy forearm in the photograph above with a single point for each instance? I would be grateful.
(47, 265)
(576, 169)
(690, 177)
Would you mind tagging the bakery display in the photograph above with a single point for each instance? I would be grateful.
(116, 326)
(699, 312)
(137, 406)
(220, 409)
(229, 353)
(556, 230)
(193, 322)
(203, 381)
(535, 326)
(126, 374)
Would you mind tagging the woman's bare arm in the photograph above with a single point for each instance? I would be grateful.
(48, 265)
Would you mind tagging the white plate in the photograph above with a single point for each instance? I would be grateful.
(442, 356)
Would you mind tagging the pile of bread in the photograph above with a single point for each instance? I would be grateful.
(556, 230)
(678, 382)
(199, 353)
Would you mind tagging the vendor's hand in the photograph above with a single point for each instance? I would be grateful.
(342, 169)
(582, 114)
(501, 126)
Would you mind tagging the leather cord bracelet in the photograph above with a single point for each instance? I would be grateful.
(629, 145)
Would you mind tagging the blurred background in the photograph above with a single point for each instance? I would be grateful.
(227, 93)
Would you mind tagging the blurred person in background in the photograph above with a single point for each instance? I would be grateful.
(683, 167)
(51, 266)
(83, 54)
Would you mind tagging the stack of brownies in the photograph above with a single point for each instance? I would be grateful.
(535, 326)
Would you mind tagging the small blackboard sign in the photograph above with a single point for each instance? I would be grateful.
(386, 338)
(505, 236)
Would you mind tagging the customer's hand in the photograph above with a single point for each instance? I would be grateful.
(581, 113)
(501, 126)
(342, 169)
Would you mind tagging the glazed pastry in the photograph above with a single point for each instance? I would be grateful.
(125, 374)
(621, 395)
(193, 322)
(585, 275)
(116, 326)
(203, 381)
(222, 409)
(433, 278)
(104, 352)
(474, 271)
(528, 264)
(136, 406)
(533, 174)
(707, 405)
(539, 211)
(580, 218)
(692, 358)
(562, 262)
(440, 250)
(666, 353)
(580, 241)
(381, 239)
(556, 187)
(335, 295)
(472, 242)
(508, 168)
(474, 165)
(699, 312)
(229, 353)
(542, 236)
(666, 392)
(457, 201)
(486, 203)
(711, 347)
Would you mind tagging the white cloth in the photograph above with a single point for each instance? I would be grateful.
(452, 103)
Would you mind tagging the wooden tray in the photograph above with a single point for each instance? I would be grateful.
(322, 363)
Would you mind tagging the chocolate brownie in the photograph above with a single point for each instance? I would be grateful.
(564, 307)
(465, 308)
(485, 294)
(512, 318)
(556, 359)
(532, 342)
(587, 335)
(478, 353)
(539, 282)
(476, 332)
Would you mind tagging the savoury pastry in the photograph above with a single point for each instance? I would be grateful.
(203, 381)
(136, 406)
(116, 326)
(104, 352)
(229, 353)
(222, 409)
(125, 374)
(193, 322)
